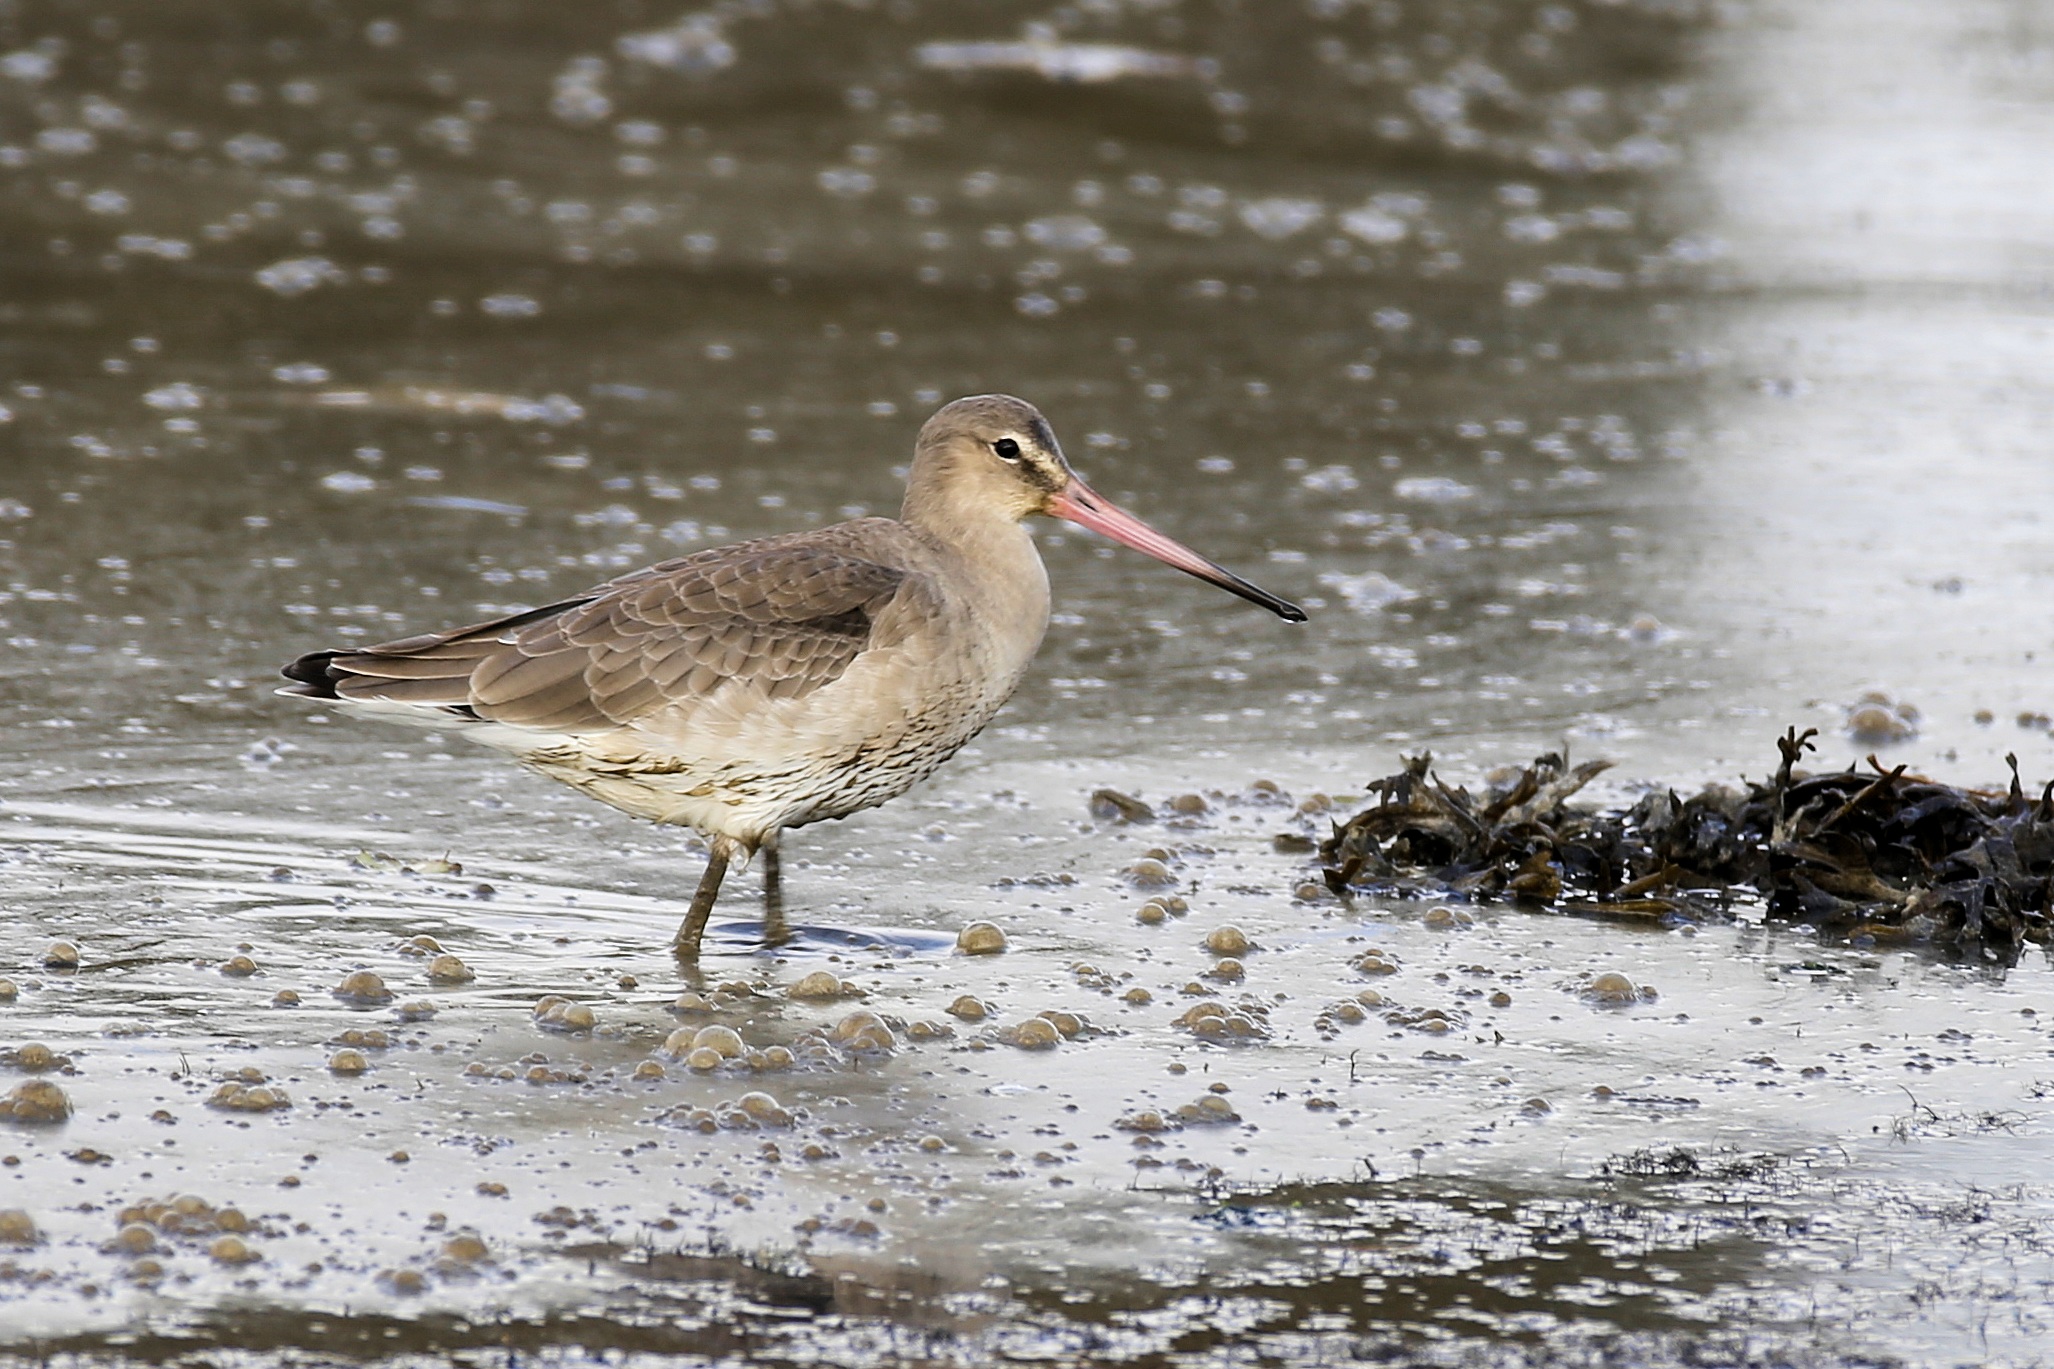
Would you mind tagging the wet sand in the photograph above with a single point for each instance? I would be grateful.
(1682, 383)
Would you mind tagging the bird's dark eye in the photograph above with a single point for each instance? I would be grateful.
(1007, 448)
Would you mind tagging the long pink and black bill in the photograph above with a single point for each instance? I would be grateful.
(1080, 505)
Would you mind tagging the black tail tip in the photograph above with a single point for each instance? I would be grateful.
(313, 675)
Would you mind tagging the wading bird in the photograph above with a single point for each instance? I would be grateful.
(748, 689)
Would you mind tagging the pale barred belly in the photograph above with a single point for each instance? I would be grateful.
(750, 786)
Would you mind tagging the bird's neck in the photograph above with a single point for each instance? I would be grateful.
(997, 567)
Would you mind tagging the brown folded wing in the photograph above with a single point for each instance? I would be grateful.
(780, 617)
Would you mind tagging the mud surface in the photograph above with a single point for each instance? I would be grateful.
(1618, 380)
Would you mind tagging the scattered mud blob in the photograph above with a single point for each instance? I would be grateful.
(1110, 805)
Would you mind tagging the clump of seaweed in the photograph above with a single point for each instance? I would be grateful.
(1886, 856)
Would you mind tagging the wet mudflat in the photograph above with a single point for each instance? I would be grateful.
(1636, 378)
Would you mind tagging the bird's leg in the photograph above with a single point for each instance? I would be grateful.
(775, 930)
(694, 926)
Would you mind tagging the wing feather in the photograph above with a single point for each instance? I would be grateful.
(781, 617)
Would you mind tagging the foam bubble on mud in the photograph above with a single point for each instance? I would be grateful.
(981, 938)
(1035, 1034)
(1150, 873)
(1432, 1021)
(763, 1109)
(35, 1103)
(465, 1249)
(1208, 1109)
(1227, 941)
(33, 1058)
(363, 988)
(863, 1031)
(1213, 1020)
(405, 1283)
(1067, 1024)
(1612, 989)
(755, 1110)
(724, 1041)
(364, 1038)
(133, 1238)
(448, 969)
(820, 986)
(232, 1250)
(1377, 961)
(243, 1097)
(555, 1013)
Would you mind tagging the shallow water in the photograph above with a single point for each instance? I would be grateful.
(1645, 377)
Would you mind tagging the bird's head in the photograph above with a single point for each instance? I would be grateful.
(994, 454)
